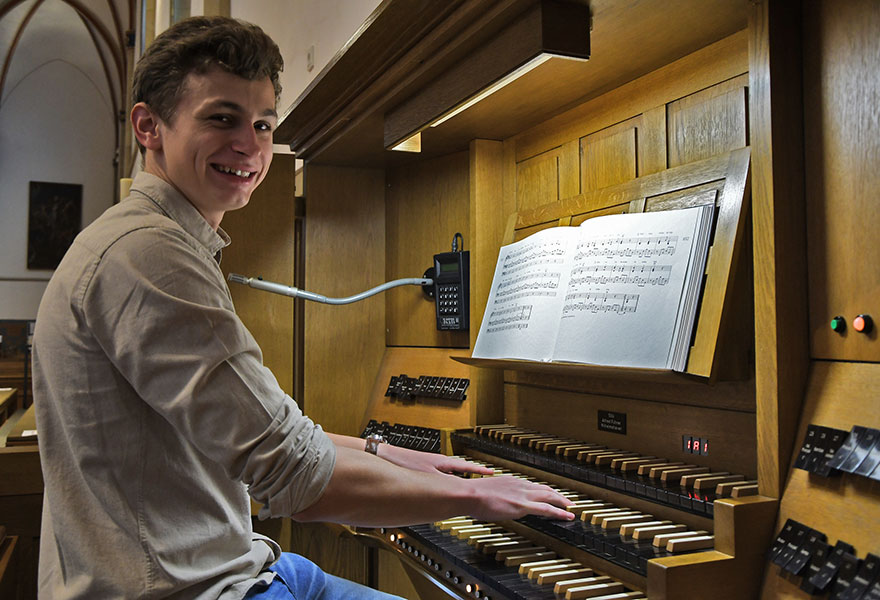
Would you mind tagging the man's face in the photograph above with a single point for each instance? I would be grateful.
(218, 146)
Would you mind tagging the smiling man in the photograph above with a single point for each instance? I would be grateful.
(217, 146)
(157, 420)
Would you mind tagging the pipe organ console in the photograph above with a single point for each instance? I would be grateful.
(767, 99)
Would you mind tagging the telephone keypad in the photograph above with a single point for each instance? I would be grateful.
(448, 299)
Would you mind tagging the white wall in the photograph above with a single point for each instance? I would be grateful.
(56, 124)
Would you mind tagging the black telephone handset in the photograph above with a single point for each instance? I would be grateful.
(452, 290)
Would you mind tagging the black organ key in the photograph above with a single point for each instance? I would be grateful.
(806, 447)
(805, 552)
(795, 534)
(849, 445)
(866, 575)
(849, 567)
(828, 571)
(820, 553)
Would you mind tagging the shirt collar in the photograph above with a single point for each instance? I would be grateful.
(181, 210)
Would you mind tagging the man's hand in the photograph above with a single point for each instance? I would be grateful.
(505, 497)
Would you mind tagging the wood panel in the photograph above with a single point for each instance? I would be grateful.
(333, 549)
(392, 577)
(725, 59)
(653, 428)
(842, 149)
(617, 209)
(537, 180)
(738, 395)
(610, 156)
(490, 200)
(264, 245)
(708, 122)
(345, 254)
(426, 205)
(844, 507)
(778, 225)
(651, 138)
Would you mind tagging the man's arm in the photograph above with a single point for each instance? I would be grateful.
(367, 491)
(428, 462)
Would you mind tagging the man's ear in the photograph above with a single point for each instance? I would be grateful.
(146, 126)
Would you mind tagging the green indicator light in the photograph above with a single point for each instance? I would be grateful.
(838, 324)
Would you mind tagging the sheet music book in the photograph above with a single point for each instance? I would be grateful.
(618, 290)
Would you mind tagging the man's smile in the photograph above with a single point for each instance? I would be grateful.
(232, 171)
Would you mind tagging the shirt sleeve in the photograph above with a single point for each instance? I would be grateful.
(160, 308)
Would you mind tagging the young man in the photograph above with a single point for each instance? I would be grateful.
(156, 417)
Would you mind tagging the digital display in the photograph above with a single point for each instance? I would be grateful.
(449, 267)
(695, 445)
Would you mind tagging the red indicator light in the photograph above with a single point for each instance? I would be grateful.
(862, 323)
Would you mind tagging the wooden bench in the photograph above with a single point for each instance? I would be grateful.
(21, 503)
(24, 432)
(8, 564)
(8, 403)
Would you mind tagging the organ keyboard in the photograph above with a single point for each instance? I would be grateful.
(674, 483)
(632, 511)
(618, 534)
(485, 560)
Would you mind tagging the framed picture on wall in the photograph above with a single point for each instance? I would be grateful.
(54, 219)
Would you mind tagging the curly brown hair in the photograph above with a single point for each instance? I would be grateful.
(195, 45)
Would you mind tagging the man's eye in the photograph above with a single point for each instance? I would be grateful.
(221, 118)
(263, 126)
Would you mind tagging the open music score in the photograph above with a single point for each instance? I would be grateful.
(619, 290)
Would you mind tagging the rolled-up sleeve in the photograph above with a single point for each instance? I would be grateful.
(159, 307)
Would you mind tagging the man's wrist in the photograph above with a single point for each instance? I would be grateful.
(372, 443)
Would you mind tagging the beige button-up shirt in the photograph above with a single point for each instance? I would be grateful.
(156, 416)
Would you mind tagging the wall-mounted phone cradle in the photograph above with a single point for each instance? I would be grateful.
(450, 288)
(447, 283)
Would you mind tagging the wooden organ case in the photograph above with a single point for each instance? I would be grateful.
(678, 98)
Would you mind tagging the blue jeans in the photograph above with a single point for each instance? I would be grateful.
(301, 579)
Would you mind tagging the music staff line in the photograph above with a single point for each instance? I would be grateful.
(592, 302)
(668, 240)
(627, 247)
(547, 247)
(542, 275)
(513, 317)
(520, 257)
(621, 268)
(536, 293)
(531, 265)
(529, 283)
